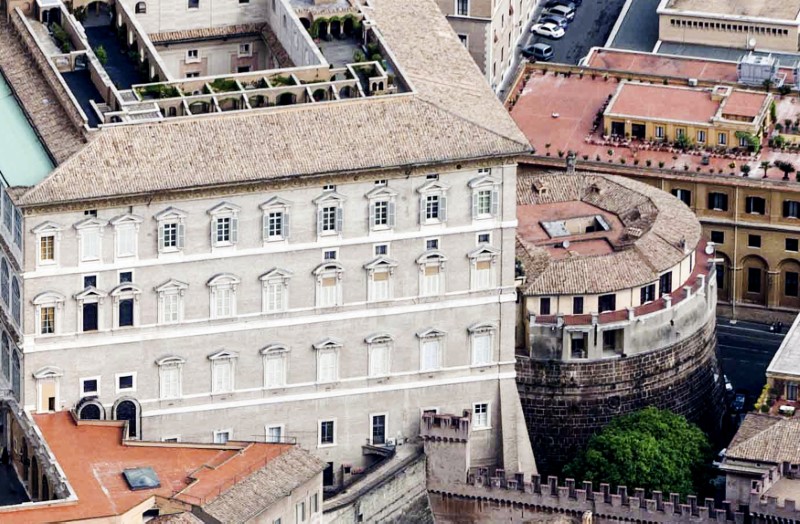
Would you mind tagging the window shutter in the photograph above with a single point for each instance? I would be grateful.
(285, 225)
(475, 204)
(391, 214)
(234, 229)
(319, 221)
(724, 202)
(371, 216)
(422, 209)
(495, 202)
(181, 235)
(785, 208)
(443, 208)
(339, 219)
(265, 226)
(214, 231)
(160, 237)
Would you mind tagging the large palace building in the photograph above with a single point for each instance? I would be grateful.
(296, 228)
(618, 308)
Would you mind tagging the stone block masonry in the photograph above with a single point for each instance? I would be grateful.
(565, 403)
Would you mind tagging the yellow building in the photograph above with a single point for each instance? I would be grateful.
(708, 117)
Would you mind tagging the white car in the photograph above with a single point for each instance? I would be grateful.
(548, 30)
(560, 10)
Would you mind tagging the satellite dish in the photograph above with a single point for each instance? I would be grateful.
(709, 248)
(565, 244)
(751, 43)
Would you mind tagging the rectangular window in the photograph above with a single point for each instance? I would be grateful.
(379, 360)
(462, 7)
(192, 55)
(329, 218)
(718, 237)
(791, 209)
(47, 249)
(722, 138)
(754, 280)
(544, 306)
(718, 201)
(327, 433)
(463, 38)
(90, 244)
(170, 382)
(380, 285)
(328, 291)
(431, 279)
(679, 132)
(171, 304)
(484, 238)
(48, 320)
(245, 49)
(684, 195)
(577, 305)
(274, 434)
(659, 131)
(275, 225)
(126, 312)
(432, 207)
(223, 229)
(483, 202)
(665, 284)
(327, 366)
(791, 245)
(755, 205)
(790, 285)
(314, 503)
(90, 321)
(647, 294)
(222, 437)
(480, 416)
(224, 302)
(222, 371)
(481, 349)
(126, 382)
(432, 244)
(275, 371)
(90, 386)
(194, 4)
(381, 250)
(754, 241)
(607, 302)
(380, 213)
(483, 274)
(743, 141)
(791, 391)
(701, 136)
(274, 296)
(169, 235)
(126, 241)
(430, 355)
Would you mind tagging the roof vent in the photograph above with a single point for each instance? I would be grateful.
(141, 478)
(565, 244)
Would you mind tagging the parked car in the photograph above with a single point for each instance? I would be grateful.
(540, 51)
(560, 21)
(572, 4)
(548, 30)
(560, 10)
(738, 402)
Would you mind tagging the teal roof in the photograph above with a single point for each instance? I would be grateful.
(23, 159)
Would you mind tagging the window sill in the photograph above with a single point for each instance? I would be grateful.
(273, 240)
(482, 428)
(483, 367)
(326, 445)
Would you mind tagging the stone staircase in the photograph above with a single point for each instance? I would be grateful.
(41, 104)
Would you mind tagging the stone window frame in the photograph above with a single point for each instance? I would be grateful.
(319, 433)
(481, 184)
(488, 424)
(383, 342)
(122, 224)
(429, 259)
(221, 211)
(171, 215)
(170, 362)
(481, 254)
(82, 388)
(48, 229)
(91, 225)
(481, 329)
(327, 270)
(380, 265)
(330, 199)
(88, 296)
(382, 194)
(433, 187)
(324, 347)
(276, 352)
(275, 277)
(220, 359)
(275, 205)
(171, 287)
(425, 336)
(52, 299)
(222, 282)
(42, 375)
(125, 291)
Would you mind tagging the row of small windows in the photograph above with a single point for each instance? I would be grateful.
(753, 205)
(276, 219)
(721, 26)
(328, 276)
(276, 358)
(608, 302)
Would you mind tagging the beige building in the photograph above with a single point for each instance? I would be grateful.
(324, 271)
(783, 373)
(744, 24)
(491, 30)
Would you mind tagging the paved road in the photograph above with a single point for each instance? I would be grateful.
(591, 27)
(639, 30)
(746, 350)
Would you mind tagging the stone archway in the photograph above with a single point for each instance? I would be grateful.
(789, 285)
(723, 275)
(286, 99)
(306, 22)
(754, 280)
(336, 28)
(129, 409)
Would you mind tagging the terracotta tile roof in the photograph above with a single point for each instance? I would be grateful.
(177, 518)
(753, 424)
(655, 225)
(666, 65)
(744, 103)
(205, 33)
(453, 115)
(773, 441)
(663, 103)
(94, 456)
(266, 486)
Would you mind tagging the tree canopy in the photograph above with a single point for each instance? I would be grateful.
(652, 449)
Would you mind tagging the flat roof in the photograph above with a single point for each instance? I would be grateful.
(744, 103)
(768, 9)
(663, 103)
(787, 359)
(93, 457)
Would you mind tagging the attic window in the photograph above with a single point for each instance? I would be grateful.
(538, 187)
(141, 478)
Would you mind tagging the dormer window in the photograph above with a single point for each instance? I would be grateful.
(433, 203)
(48, 240)
(171, 230)
(126, 235)
(485, 197)
(381, 208)
(170, 301)
(275, 220)
(330, 213)
(275, 290)
(224, 225)
(223, 295)
(90, 236)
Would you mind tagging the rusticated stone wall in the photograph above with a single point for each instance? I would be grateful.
(565, 403)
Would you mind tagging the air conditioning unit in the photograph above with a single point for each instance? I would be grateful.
(693, 82)
(391, 442)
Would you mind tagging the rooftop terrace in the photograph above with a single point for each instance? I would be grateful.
(785, 10)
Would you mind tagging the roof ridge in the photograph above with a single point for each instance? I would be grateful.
(760, 433)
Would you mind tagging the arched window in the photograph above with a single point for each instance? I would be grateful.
(90, 409)
(15, 374)
(45, 489)
(141, 8)
(15, 309)
(128, 409)
(35, 478)
(6, 357)
(4, 280)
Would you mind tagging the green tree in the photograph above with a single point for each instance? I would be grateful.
(652, 449)
(765, 167)
(101, 54)
(683, 142)
(785, 167)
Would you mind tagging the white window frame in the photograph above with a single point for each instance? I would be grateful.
(219, 360)
(326, 347)
(218, 432)
(319, 433)
(275, 205)
(171, 216)
(479, 186)
(385, 416)
(381, 194)
(327, 270)
(433, 187)
(380, 266)
(379, 342)
(275, 277)
(488, 424)
(388, 247)
(478, 238)
(248, 50)
(722, 139)
(659, 132)
(171, 288)
(86, 227)
(276, 352)
(193, 59)
(431, 259)
(82, 381)
(49, 299)
(126, 224)
(330, 199)
(170, 363)
(426, 336)
(281, 439)
(216, 285)
(48, 229)
(224, 210)
(482, 329)
(48, 374)
(126, 291)
(90, 295)
(455, 8)
(117, 376)
(478, 258)
(174, 439)
(702, 136)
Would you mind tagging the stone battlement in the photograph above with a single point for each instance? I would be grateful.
(785, 509)
(570, 498)
(446, 427)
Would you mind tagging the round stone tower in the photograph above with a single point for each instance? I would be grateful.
(618, 309)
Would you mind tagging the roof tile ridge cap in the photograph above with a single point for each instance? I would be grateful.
(528, 146)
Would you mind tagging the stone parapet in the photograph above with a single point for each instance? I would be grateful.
(446, 427)
(773, 508)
